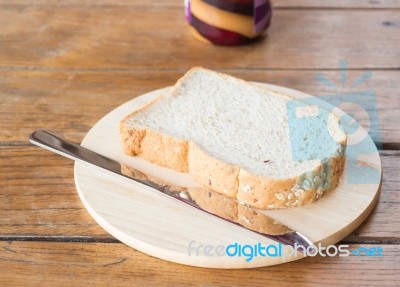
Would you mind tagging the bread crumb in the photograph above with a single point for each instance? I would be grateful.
(280, 196)
(246, 188)
(246, 219)
(295, 187)
(299, 192)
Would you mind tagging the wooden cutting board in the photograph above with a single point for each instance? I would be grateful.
(165, 228)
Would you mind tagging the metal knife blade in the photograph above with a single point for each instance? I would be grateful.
(209, 202)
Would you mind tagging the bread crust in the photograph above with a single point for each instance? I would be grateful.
(249, 189)
(213, 173)
(230, 209)
(164, 150)
(261, 192)
(155, 147)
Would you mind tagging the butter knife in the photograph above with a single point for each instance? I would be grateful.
(248, 218)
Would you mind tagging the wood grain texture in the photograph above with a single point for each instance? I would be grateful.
(129, 38)
(386, 212)
(92, 3)
(66, 264)
(36, 202)
(39, 199)
(353, 4)
(63, 101)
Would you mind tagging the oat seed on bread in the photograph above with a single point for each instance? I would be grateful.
(233, 137)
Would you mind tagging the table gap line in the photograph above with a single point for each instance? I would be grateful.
(136, 6)
(110, 239)
(144, 70)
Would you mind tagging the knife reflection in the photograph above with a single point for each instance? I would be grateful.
(216, 204)
(201, 198)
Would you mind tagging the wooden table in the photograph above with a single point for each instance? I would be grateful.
(65, 64)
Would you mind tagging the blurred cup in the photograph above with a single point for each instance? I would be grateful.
(228, 22)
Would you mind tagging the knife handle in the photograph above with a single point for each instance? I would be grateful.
(79, 153)
(73, 151)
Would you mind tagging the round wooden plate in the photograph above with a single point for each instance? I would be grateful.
(162, 227)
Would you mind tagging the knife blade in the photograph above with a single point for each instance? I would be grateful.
(209, 201)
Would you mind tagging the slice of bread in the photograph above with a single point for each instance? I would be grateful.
(234, 137)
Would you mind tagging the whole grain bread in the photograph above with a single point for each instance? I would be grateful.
(234, 137)
(218, 204)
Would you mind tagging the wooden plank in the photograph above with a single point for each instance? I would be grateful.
(385, 214)
(72, 101)
(353, 4)
(38, 196)
(68, 102)
(66, 264)
(38, 199)
(112, 37)
(94, 3)
(373, 4)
